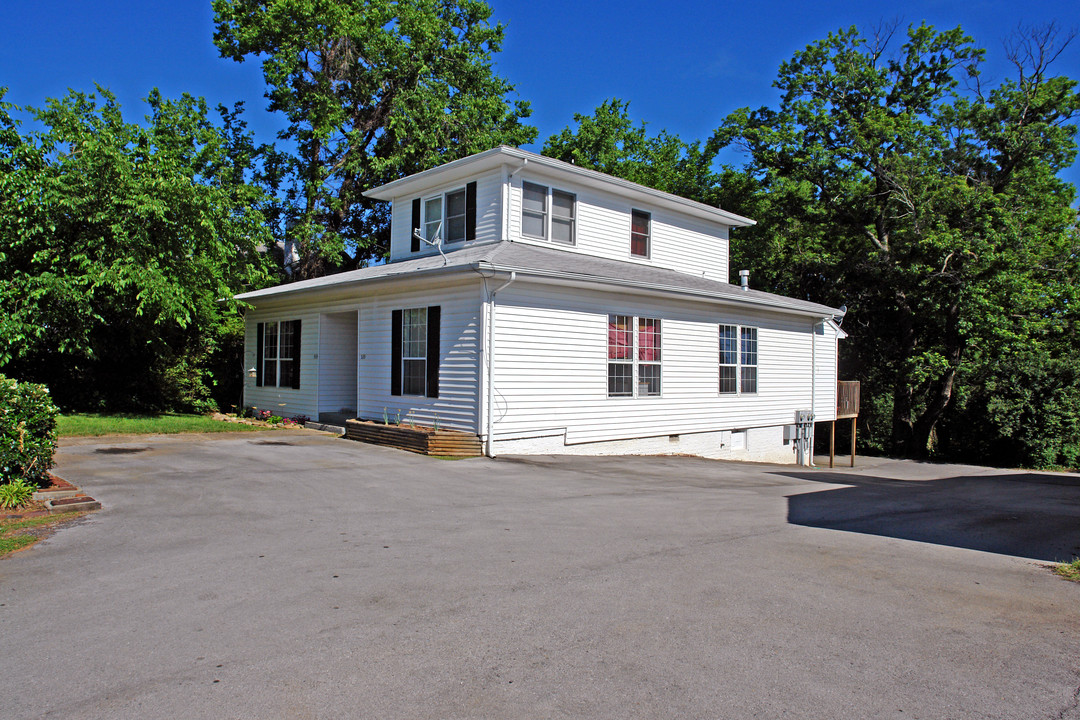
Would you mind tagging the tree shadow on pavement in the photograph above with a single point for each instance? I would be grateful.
(1028, 515)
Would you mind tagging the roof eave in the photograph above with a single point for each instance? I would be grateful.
(756, 302)
(502, 155)
(281, 291)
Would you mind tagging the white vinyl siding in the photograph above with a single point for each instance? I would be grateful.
(562, 384)
(488, 215)
(284, 401)
(337, 362)
(825, 357)
(603, 227)
(459, 352)
(457, 404)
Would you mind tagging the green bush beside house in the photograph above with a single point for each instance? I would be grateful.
(27, 432)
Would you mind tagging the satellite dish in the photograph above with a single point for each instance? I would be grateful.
(436, 243)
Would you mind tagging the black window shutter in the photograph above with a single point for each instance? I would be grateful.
(296, 354)
(395, 353)
(414, 241)
(433, 320)
(470, 211)
(258, 354)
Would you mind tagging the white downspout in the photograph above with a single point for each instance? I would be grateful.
(813, 391)
(489, 416)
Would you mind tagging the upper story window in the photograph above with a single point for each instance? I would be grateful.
(444, 217)
(640, 233)
(738, 359)
(450, 217)
(547, 214)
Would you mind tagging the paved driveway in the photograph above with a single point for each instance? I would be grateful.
(295, 575)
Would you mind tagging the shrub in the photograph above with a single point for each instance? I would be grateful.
(274, 419)
(300, 419)
(27, 431)
(15, 493)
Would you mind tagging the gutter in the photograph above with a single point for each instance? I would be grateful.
(489, 416)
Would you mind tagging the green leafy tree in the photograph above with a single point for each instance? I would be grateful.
(930, 204)
(118, 242)
(608, 141)
(373, 90)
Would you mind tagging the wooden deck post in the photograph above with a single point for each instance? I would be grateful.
(853, 441)
(832, 443)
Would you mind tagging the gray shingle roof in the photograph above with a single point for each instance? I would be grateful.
(555, 262)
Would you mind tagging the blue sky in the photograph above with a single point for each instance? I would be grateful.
(682, 65)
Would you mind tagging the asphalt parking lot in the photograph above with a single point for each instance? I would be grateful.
(294, 575)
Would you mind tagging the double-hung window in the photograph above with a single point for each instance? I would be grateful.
(748, 359)
(634, 348)
(278, 354)
(729, 359)
(640, 233)
(414, 351)
(738, 359)
(449, 217)
(548, 214)
(444, 217)
(620, 356)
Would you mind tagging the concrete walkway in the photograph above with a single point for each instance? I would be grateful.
(292, 575)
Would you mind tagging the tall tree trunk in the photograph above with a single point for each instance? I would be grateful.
(903, 391)
(940, 392)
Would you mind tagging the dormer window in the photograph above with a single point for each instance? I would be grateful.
(450, 216)
(444, 217)
(547, 214)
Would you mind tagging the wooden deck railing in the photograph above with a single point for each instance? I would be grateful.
(847, 399)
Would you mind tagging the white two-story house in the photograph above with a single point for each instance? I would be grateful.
(547, 308)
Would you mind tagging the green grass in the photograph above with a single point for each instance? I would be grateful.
(11, 539)
(1069, 570)
(18, 542)
(90, 424)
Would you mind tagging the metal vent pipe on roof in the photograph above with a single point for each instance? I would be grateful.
(744, 279)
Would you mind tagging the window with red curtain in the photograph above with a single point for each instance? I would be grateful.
(640, 225)
(648, 356)
(634, 347)
(620, 356)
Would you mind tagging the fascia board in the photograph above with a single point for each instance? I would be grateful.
(441, 175)
(654, 289)
(284, 294)
(503, 155)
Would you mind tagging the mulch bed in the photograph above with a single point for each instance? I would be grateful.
(57, 483)
(34, 508)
